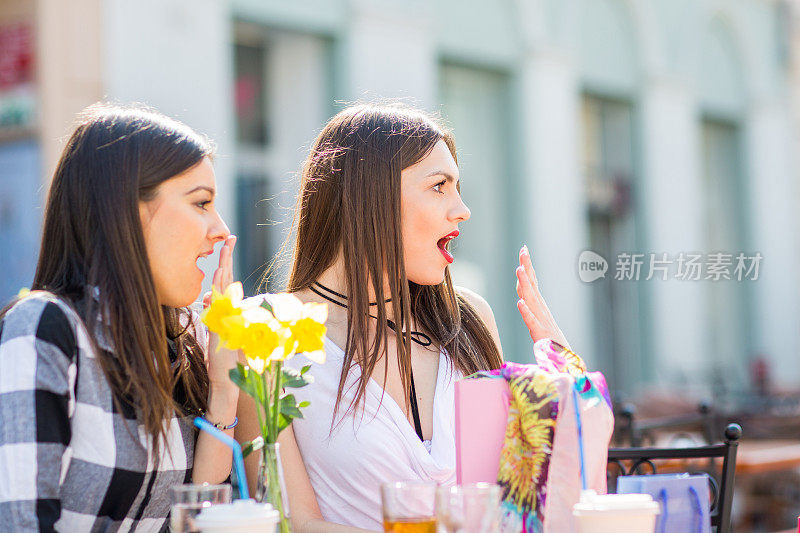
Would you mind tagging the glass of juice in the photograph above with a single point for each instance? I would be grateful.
(409, 506)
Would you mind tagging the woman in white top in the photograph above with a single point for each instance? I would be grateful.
(378, 206)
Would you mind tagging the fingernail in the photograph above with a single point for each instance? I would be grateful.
(525, 249)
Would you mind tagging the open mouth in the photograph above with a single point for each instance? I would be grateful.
(204, 255)
(442, 244)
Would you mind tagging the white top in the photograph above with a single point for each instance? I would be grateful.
(348, 464)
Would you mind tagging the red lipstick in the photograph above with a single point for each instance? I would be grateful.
(441, 243)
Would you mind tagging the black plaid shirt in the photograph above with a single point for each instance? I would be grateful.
(69, 460)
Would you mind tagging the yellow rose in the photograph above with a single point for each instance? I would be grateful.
(234, 327)
(260, 336)
(259, 341)
(223, 306)
(307, 337)
(305, 324)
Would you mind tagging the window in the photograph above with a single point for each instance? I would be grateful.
(249, 83)
(727, 309)
(608, 164)
(282, 88)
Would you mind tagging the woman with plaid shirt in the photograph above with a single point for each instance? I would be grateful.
(102, 366)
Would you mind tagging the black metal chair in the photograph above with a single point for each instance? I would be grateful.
(637, 433)
(630, 461)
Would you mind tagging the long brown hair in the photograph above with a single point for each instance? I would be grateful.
(350, 201)
(93, 255)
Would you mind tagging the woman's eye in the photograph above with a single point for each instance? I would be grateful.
(438, 186)
(202, 205)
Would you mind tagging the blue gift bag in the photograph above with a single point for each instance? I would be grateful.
(684, 500)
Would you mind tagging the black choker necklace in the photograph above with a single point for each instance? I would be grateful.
(337, 294)
(320, 290)
(416, 336)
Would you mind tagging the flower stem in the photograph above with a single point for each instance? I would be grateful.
(275, 488)
(257, 381)
(276, 407)
(269, 435)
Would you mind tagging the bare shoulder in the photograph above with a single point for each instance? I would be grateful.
(478, 302)
(484, 311)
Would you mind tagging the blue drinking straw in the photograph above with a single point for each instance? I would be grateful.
(580, 434)
(238, 460)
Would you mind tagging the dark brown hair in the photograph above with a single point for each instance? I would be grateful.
(93, 254)
(350, 201)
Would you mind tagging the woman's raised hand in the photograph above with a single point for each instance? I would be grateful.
(212, 459)
(223, 275)
(220, 362)
(531, 304)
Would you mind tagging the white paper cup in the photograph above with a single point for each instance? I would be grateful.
(615, 513)
(241, 516)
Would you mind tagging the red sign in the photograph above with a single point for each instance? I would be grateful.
(16, 54)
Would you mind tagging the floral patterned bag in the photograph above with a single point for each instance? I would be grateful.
(539, 466)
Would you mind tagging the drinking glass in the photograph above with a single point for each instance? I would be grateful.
(189, 500)
(473, 508)
(409, 507)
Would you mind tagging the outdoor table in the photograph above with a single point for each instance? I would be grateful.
(754, 456)
(760, 459)
(760, 456)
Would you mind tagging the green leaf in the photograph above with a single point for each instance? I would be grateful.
(258, 384)
(266, 305)
(252, 446)
(238, 375)
(294, 379)
(303, 404)
(241, 377)
(283, 422)
(305, 369)
(288, 407)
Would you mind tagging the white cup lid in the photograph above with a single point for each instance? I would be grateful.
(593, 502)
(239, 512)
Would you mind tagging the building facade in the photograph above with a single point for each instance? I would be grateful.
(658, 134)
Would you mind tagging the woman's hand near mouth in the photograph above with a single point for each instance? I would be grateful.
(531, 305)
(223, 394)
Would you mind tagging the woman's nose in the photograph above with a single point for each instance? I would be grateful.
(460, 211)
(219, 230)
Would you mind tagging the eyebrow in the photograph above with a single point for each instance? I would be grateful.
(202, 188)
(444, 173)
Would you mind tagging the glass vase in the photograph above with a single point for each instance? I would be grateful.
(271, 486)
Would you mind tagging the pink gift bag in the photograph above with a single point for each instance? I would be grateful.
(481, 416)
(541, 497)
